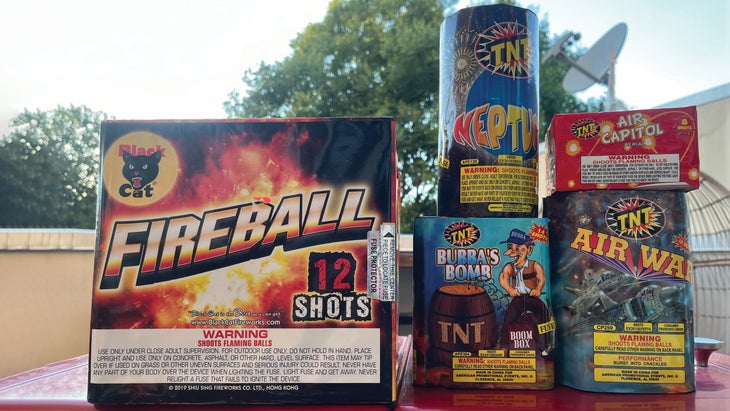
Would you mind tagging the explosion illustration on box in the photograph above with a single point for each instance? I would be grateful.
(225, 189)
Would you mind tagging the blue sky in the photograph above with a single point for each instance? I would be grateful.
(138, 59)
(673, 48)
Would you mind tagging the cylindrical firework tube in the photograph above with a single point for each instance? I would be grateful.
(488, 113)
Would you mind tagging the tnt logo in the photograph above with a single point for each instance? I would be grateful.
(140, 168)
(462, 234)
(585, 128)
(505, 49)
(635, 218)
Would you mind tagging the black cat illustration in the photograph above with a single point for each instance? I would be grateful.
(142, 169)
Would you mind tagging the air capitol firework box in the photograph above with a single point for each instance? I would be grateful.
(481, 316)
(622, 277)
(641, 149)
(249, 261)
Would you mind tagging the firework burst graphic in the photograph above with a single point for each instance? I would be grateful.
(460, 66)
(464, 65)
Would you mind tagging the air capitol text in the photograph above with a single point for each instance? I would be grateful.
(175, 247)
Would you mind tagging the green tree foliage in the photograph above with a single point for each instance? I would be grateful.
(378, 58)
(49, 166)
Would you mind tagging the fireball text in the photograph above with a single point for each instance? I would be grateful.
(158, 250)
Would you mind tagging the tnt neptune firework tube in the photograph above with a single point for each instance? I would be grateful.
(622, 290)
(488, 113)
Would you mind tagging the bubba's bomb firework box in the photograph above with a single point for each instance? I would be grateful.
(653, 149)
(246, 261)
(622, 290)
(481, 316)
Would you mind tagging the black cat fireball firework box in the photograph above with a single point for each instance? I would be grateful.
(622, 290)
(481, 315)
(246, 261)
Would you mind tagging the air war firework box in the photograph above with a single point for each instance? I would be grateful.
(622, 290)
(481, 315)
(246, 261)
(653, 149)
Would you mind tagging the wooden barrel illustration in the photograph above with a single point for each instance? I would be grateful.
(461, 318)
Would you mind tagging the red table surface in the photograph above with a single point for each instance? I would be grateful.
(62, 386)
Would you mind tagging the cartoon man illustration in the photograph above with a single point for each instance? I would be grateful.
(521, 276)
(523, 279)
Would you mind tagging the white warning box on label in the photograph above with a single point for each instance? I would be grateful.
(245, 356)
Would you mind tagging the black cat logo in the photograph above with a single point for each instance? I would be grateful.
(140, 171)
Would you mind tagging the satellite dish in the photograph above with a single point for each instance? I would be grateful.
(596, 65)
(558, 48)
